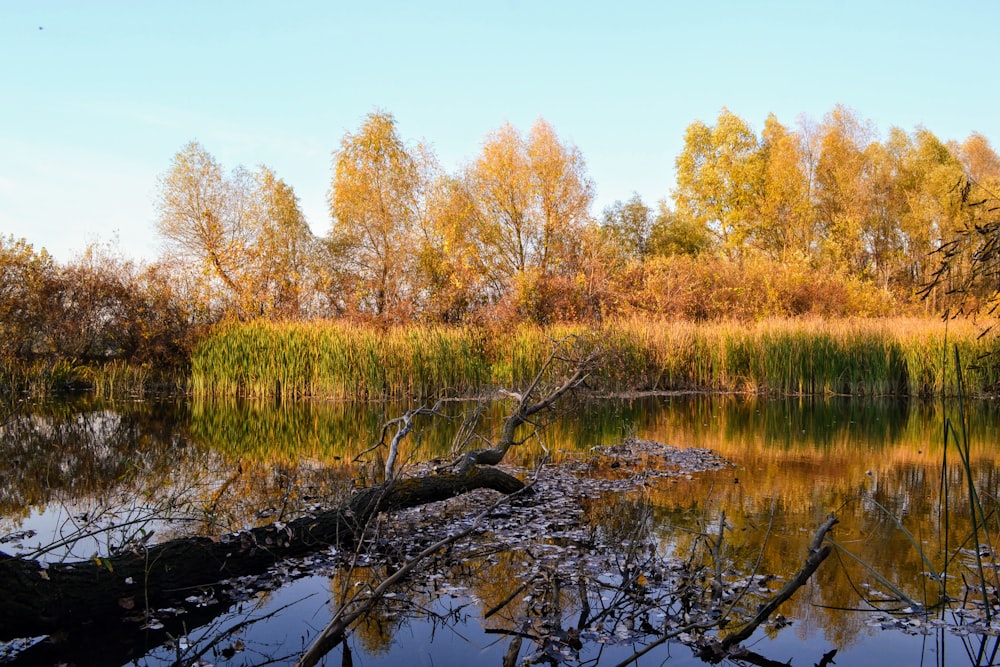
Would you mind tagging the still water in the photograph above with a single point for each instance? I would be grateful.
(139, 472)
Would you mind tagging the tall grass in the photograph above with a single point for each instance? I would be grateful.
(41, 378)
(784, 357)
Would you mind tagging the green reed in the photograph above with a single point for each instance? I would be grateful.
(42, 378)
(780, 357)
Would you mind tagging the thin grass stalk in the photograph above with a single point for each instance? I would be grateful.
(881, 578)
(337, 360)
(962, 440)
(946, 513)
(912, 540)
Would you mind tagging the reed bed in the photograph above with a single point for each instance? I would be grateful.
(40, 378)
(865, 357)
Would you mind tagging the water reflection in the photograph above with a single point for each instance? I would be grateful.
(233, 464)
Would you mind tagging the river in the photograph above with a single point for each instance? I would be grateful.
(142, 471)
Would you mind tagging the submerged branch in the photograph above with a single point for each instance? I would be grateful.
(336, 630)
(817, 554)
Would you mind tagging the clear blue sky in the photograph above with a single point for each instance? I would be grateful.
(97, 96)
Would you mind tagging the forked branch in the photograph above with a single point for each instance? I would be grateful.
(527, 406)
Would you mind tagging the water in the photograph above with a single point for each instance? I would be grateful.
(154, 470)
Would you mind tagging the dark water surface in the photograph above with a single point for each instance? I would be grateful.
(145, 471)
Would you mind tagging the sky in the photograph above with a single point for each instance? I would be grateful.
(96, 97)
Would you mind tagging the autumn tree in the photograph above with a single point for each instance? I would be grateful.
(506, 217)
(563, 190)
(785, 226)
(966, 276)
(719, 175)
(629, 224)
(450, 285)
(981, 162)
(95, 308)
(374, 201)
(287, 277)
(921, 208)
(531, 197)
(671, 234)
(27, 281)
(243, 233)
(202, 214)
(843, 205)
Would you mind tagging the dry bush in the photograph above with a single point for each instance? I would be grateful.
(712, 288)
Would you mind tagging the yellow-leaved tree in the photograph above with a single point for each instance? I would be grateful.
(242, 237)
(786, 227)
(375, 202)
(719, 179)
(531, 197)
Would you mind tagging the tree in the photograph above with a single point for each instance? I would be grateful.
(202, 214)
(449, 282)
(981, 162)
(506, 220)
(244, 233)
(629, 225)
(531, 198)
(95, 310)
(374, 203)
(927, 172)
(27, 282)
(785, 220)
(286, 277)
(842, 205)
(671, 234)
(968, 270)
(563, 190)
(719, 179)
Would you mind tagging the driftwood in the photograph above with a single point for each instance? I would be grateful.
(55, 598)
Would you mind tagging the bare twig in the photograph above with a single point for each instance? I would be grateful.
(404, 425)
(716, 650)
(525, 408)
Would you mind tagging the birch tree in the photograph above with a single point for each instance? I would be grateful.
(531, 199)
(374, 203)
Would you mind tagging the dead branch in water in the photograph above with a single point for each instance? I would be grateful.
(527, 406)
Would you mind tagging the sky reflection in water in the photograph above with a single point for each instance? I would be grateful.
(796, 461)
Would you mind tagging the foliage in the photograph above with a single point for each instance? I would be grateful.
(629, 225)
(374, 203)
(27, 278)
(969, 264)
(718, 174)
(60, 326)
(821, 219)
(530, 201)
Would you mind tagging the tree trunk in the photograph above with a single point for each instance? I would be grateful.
(61, 596)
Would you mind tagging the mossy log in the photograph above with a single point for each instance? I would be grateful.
(41, 600)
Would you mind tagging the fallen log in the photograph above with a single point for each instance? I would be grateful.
(44, 599)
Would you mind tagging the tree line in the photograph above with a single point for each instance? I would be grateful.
(822, 218)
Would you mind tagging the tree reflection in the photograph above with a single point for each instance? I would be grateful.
(227, 466)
